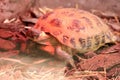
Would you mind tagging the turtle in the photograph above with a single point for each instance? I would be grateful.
(68, 31)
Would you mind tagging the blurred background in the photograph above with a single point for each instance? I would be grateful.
(10, 8)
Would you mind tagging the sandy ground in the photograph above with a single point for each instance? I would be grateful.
(22, 67)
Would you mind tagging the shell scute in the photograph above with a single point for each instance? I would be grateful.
(75, 28)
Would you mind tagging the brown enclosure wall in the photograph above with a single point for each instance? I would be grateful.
(103, 5)
(9, 8)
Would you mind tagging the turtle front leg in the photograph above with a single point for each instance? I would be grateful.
(64, 56)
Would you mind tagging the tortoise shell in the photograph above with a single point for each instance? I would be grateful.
(74, 28)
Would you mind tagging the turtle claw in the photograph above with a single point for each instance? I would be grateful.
(70, 62)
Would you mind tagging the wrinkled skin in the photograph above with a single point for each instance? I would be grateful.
(67, 31)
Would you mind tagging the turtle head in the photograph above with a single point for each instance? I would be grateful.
(37, 36)
(41, 38)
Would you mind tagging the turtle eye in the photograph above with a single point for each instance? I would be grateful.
(31, 33)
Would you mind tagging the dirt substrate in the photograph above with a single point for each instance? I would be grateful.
(19, 55)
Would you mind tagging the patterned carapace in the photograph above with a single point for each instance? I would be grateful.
(76, 29)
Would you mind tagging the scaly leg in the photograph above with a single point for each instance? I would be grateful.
(64, 56)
